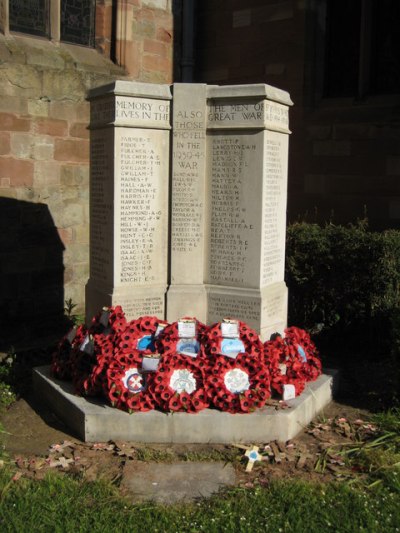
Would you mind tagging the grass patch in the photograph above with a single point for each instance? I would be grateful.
(64, 504)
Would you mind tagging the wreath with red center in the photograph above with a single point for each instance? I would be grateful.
(213, 340)
(168, 340)
(127, 385)
(61, 366)
(178, 384)
(238, 385)
(292, 360)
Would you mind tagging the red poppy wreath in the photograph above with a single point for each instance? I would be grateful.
(61, 366)
(292, 360)
(127, 384)
(231, 337)
(238, 385)
(178, 384)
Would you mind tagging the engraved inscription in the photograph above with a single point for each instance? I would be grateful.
(253, 114)
(151, 306)
(236, 112)
(141, 109)
(232, 224)
(233, 306)
(187, 184)
(102, 111)
(101, 207)
(129, 110)
(274, 208)
(141, 216)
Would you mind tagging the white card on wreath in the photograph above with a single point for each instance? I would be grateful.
(230, 328)
(283, 369)
(150, 364)
(289, 392)
(186, 328)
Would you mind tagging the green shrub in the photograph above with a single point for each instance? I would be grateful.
(344, 287)
(339, 274)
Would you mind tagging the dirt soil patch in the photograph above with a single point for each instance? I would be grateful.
(36, 441)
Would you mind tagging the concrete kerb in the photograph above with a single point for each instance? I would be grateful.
(94, 421)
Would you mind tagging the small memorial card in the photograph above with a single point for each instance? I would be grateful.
(71, 335)
(283, 369)
(188, 347)
(302, 353)
(105, 315)
(150, 363)
(87, 345)
(232, 347)
(230, 328)
(160, 328)
(146, 343)
(186, 329)
(289, 392)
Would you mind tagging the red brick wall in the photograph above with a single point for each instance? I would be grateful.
(44, 159)
(343, 154)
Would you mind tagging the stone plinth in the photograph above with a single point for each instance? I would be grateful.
(229, 188)
(187, 294)
(94, 421)
(129, 167)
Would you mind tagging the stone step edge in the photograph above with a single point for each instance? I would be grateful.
(92, 420)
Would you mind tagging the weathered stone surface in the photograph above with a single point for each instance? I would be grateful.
(177, 482)
(95, 421)
(229, 190)
(129, 192)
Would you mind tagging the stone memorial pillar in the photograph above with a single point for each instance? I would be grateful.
(187, 293)
(129, 171)
(247, 154)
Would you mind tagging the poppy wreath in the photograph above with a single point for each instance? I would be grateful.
(283, 367)
(167, 342)
(213, 340)
(298, 340)
(178, 384)
(89, 366)
(109, 320)
(61, 358)
(238, 385)
(299, 355)
(127, 386)
(106, 333)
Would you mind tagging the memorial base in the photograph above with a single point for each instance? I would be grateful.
(187, 300)
(94, 421)
(263, 309)
(135, 301)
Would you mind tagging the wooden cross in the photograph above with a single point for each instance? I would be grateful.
(253, 455)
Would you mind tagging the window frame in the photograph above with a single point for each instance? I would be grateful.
(54, 22)
(316, 31)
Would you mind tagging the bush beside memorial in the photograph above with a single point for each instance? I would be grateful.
(186, 366)
(344, 287)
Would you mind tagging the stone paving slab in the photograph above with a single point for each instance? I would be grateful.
(94, 421)
(171, 483)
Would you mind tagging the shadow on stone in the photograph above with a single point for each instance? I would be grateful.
(31, 275)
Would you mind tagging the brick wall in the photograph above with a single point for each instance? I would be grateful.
(44, 161)
(343, 154)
